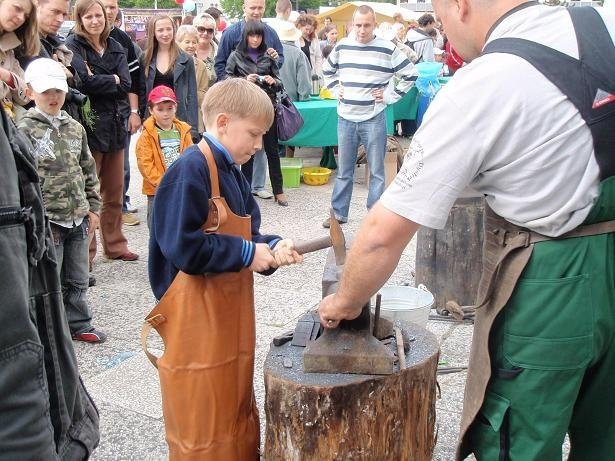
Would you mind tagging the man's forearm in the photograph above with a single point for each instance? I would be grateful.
(374, 255)
(133, 99)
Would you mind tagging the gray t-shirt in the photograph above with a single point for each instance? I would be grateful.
(500, 127)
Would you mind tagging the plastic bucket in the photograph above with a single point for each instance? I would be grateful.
(406, 303)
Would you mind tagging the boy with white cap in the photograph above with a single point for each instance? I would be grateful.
(70, 187)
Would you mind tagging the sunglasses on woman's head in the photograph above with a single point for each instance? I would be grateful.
(202, 30)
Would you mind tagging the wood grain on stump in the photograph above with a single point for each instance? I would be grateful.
(449, 260)
(320, 416)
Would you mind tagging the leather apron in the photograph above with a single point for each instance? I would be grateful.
(208, 327)
(507, 249)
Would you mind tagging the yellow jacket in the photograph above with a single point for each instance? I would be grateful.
(149, 155)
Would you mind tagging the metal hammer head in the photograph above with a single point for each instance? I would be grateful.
(338, 241)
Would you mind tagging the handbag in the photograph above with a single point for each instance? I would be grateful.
(289, 120)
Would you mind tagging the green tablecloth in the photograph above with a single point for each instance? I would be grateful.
(320, 119)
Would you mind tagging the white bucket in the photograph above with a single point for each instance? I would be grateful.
(406, 303)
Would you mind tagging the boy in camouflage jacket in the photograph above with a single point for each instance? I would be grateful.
(70, 187)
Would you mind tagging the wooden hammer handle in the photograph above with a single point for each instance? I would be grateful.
(310, 246)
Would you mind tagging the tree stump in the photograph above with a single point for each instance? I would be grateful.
(321, 416)
(449, 261)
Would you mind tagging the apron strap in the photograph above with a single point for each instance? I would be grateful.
(148, 324)
(217, 214)
(213, 168)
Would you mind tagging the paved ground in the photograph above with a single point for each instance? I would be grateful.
(124, 384)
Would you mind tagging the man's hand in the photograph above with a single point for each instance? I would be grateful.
(134, 123)
(332, 310)
(67, 72)
(93, 223)
(272, 53)
(285, 253)
(378, 95)
(263, 258)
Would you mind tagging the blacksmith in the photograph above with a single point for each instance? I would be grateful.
(529, 124)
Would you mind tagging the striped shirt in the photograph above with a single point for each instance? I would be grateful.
(359, 68)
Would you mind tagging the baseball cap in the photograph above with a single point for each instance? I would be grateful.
(161, 93)
(44, 74)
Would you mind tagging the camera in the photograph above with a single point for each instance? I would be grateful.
(260, 79)
(76, 97)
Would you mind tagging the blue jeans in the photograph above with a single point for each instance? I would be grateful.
(372, 134)
(259, 171)
(71, 247)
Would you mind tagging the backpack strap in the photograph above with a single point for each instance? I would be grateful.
(588, 82)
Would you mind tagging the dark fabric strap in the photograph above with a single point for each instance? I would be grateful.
(587, 82)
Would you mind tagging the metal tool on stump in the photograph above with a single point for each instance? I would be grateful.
(350, 348)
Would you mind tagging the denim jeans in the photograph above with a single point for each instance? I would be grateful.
(373, 135)
(259, 171)
(71, 247)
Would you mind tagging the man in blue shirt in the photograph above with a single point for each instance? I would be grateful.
(253, 11)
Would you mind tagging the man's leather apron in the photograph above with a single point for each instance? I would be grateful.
(507, 248)
(208, 328)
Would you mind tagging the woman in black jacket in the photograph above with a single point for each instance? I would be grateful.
(101, 65)
(251, 61)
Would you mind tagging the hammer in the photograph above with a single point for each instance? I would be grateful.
(335, 239)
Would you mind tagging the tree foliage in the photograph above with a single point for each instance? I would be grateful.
(163, 4)
(234, 8)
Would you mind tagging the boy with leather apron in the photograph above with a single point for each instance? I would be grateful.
(543, 357)
(204, 247)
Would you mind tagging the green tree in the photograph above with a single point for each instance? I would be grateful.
(234, 8)
(163, 4)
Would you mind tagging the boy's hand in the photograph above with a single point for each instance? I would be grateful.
(94, 221)
(263, 258)
(285, 253)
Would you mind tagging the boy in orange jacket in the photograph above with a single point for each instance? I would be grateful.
(163, 139)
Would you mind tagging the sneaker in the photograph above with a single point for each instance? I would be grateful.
(327, 224)
(130, 208)
(264, 194)
(92, 336)
(129, 219)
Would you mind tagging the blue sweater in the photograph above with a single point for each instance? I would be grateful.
(181, 208)
(230, 39)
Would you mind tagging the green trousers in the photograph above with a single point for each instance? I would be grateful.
(553, 354)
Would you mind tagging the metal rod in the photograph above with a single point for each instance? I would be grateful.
(399, 338)
(377, 314)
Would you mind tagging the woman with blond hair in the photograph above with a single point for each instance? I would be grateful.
(187, 39)
(207, 48)
(309, 43)
(101, 65)
(166, 64)
(18, 34)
